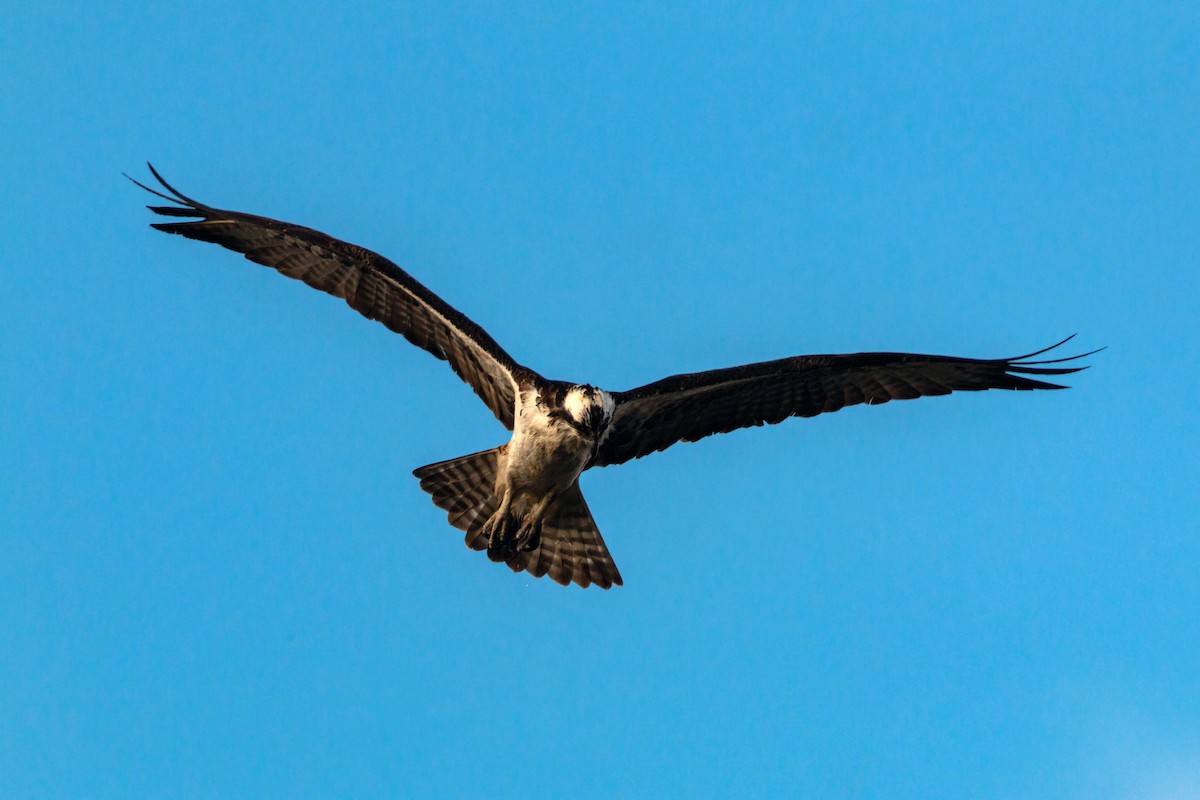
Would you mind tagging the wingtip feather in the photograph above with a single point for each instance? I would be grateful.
(180, 196)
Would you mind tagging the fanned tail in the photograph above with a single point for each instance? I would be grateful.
(571, 548)
(465, 488)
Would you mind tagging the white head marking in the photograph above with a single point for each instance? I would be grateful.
(581, 401)
(577, 402)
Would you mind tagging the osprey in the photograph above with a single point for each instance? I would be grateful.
(521, 501)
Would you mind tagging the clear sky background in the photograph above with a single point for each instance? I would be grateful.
(219, 579)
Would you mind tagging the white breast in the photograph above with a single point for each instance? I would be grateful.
(545, 453)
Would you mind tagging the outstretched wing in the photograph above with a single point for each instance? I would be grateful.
(368, 282)
(685, 408)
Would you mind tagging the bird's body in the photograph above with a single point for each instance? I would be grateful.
(555, 436)
(521, 501)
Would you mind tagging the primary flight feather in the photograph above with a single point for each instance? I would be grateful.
(521, 501)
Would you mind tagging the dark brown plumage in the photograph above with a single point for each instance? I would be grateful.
(521, 501)
(371, 285)
(684, 408)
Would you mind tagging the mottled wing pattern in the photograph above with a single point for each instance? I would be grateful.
(571, 549)
(372, 285)
(685, 408)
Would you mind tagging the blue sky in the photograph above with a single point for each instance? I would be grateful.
(218, 578)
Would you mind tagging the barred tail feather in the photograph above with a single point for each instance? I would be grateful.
(465, 488)
(571, 548)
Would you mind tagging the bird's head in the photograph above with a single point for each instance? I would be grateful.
(589, 408)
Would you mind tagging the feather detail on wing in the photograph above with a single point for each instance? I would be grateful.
(372, 285)
(684, 408)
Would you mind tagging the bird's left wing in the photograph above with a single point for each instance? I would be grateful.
(368, 282)
(685, 408)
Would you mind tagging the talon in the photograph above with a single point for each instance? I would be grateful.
(501, 552)
(529, 537)
(500, 541)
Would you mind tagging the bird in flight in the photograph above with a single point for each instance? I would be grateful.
(521, 501)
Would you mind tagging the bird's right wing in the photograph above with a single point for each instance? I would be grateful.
(684, 408)
(368, 282)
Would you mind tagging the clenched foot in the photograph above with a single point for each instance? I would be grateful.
(501, 546)
(529, 537)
